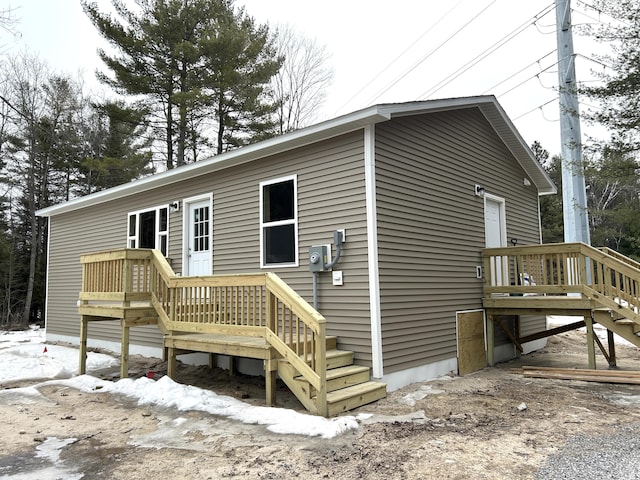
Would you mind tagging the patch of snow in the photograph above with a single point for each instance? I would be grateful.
(410, 399)
(24, 353)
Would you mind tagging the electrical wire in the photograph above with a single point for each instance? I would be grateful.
(534, 109)
(389, 65)
(518, 72)
(537, 75)
(419, 62)
(487, 52)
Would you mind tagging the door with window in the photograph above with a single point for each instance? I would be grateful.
(199, 238)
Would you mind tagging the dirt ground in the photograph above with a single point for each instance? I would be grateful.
(493, 424)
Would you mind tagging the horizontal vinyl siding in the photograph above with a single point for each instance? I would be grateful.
(330, 180)
(431, 226)
(330, 196)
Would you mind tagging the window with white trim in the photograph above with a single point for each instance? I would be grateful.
(149, 229)
(279, 222)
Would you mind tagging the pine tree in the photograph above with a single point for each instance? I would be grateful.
(118, 147)
(189, 58)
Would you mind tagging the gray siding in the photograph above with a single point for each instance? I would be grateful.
(330, 195)
(431, 226)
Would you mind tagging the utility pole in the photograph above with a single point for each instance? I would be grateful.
(574, 194)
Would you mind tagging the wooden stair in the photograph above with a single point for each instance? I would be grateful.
(348, 386)
(624, 327)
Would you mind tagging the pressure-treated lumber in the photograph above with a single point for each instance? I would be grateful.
(585, 375)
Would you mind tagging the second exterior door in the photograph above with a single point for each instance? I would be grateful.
(495, 235)
(199, 238)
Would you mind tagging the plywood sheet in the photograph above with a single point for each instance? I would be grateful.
(471, 341)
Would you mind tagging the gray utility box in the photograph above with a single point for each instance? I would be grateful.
(319, 256)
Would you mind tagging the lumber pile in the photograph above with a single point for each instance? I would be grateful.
(585, 375)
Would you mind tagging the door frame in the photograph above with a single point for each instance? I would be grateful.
(503, 217)
(186, 203)
(503, 230)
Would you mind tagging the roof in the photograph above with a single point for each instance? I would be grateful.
(488, 105)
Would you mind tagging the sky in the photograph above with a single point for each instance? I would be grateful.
(380, 51)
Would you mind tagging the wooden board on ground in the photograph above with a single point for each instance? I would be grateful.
(585, 375)
(472, 354)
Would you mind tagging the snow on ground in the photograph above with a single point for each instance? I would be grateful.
(25, 356)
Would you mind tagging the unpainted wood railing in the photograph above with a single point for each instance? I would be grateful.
(612, 281)
(258, 304)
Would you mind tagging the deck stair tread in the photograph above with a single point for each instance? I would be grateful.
(342, 377)
(355, 396)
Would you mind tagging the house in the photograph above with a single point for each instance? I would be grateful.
(417, 189)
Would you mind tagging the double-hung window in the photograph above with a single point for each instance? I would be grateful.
(149, 229)
(279, 222)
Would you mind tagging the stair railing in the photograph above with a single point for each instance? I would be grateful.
(564, 269)
(243, 304)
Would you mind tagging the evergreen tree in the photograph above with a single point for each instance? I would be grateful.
(187, 57)
(551, 217)
(619, 95)
(118, 149)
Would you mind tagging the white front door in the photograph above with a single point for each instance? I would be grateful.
(495, 234)
(199, 238)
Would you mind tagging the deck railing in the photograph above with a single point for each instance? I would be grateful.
(564, 269)
(245, 304)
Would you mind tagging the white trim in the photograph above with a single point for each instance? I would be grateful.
(136, 235)
(47, 297)
(372, 253)
(185, 228)
(293, 222)
(503, 215)
(422, 373)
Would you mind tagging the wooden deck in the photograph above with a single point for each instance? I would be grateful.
(570, 279)
(252, 315)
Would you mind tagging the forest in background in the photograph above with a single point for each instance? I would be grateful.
(191, 79)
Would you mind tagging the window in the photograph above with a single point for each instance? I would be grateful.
(149, 229)
(279, 222)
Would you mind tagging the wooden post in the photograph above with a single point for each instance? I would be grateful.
(612, 348)
(124, 356)
(84, 323)
(490, 340)
(232, 366)
(271, 312)
(213, 361)
(171, 362)
(591, 349)
(127, 278)
(321, 369)
(270, 369)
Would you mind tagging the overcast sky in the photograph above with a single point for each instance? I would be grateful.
(381, 51)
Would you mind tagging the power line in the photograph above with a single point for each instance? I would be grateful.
(519, 72)
(534, 109)
(415, 65)
(388, 66)
(503, 41)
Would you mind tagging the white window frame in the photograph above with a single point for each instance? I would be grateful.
(293, 221)
(132, 239)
